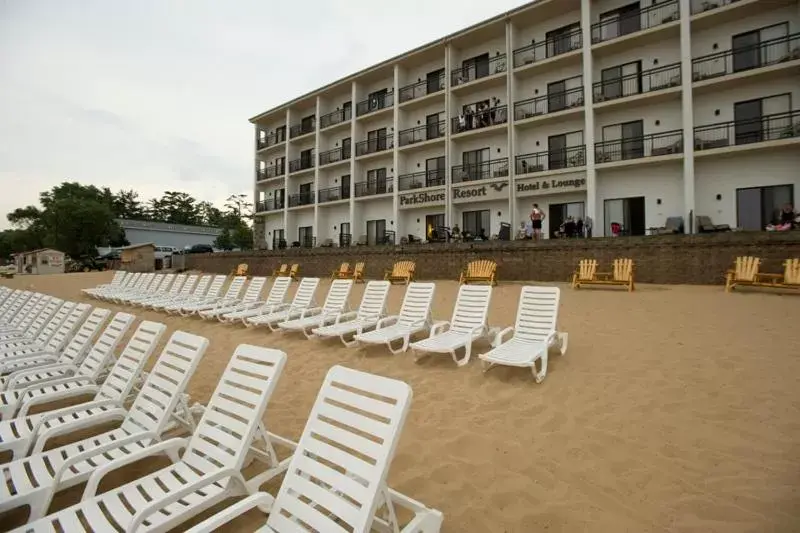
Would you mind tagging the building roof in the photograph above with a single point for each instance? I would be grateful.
(387, 62)
(166, 226)
(138, 245)
(36, 251)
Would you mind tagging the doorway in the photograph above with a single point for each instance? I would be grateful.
(476, 221)
(556, 96)
(559, 41)
(376, 181)
(306, 194)
(473, 164)
(632, 139)
(432, 126)
(628, 213)
(347, 111)
(475, 68)
(434, 171)
(278, 239)
(306, 158)
(345, 237)
(756, 207)
(345, 186)
(347, 145)
(305, 235)
(376, 232)
(376, 140)
(435, 81)
(280, 198)
(557, 152)
(558, 214)
(748, 126)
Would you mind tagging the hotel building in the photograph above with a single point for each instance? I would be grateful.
(611, 111)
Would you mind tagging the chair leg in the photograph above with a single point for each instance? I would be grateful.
(539, 376)
(563, 341)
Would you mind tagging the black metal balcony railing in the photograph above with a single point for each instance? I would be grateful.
(476, 71)
(422, 88)
(701, 6)
(373, 187)
(303, 163)
(332, 194)
(419, 180)
(770, 52)
(422, 133)
(645, 81)
(272, 171)
(375, 103)
(668, 142)
(270, 204)
(572, 156)
(278, 242)
(302, 198)
(491, 116)
(551, 103)
(337, 154)
(496, 168)
(767, 128)
(549, 48)
(643, 19)
(373, 146)
(308, 241)
(265, 140)
(335, 117)
(345, 239)
(302, 129)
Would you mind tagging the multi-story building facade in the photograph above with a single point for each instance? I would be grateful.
(606, 110)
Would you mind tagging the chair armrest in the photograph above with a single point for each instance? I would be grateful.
(310, 311)
(262, 500)
(100, 472)
(42, 438)
(383, 322)
(142, 514)
(38, 354)
(12, 379)
(344, 317)
(26, 404)
(439, 327)
(498, 338)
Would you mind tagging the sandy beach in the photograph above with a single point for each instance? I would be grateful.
(676, 409)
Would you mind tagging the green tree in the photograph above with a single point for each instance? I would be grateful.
(179, 208)
(210, 215)
(126, 204)
(242, 237)
(224, 240)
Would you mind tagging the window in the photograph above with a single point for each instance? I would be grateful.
(760, 47)
(475, 67)
(280, 166)
(750, 118)
(306, 194)
(377, 100)
(476, 222)
(475, 164)
(630, 137)
(345, 184)
(432, 126)
(434, 171)
(376, 140)
(280, 134)
(562, 40)
(307, 158)
(756, 207)
(345, 237)
(376, 232)
(278, 239)
(346, 147)
(306, 236)
(435, 81)
(621, 21)
(622, 80)
(625, 213)
(376, 181)
(280, 198)
(559, 213)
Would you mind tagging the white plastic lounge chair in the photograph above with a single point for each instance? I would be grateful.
(73, 352)
(467, 325)
(16, 306)
(276, 300)
(179, 283)
(17, 435)
(42, 328)
(208, 288)
(64, 379)
(116, 281)
(34, 480)
(18, 324)
(30, 324)
(214, 456)
(213, 298)
(335, 304)
(138, 285)
(150, 283)
(303, 300)
(249, 300)
(533, 334)
(75, 314)
(131, 282)
(371, 310)
(336, 480)
(159, 285)
(414, 317)
(190, 287)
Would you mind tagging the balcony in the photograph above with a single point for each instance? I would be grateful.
(270, 204)
(304, 163)
(335, 117)
(304, 128)
(272, 171)
(265, 140)
(491, 116)
(551, 103)
(570, 157)
(476, 71)
(537, 52)
(373, 146)
(375, 103)
(646, 81)
(639, 20)
(779, 126)
(496, 168)
(765, 54)
(333, 194)
(422, 133)
(701, 6)
(420, 180)
(302, 198)
(335, 155)
(374, 187)
(653, 145)
(421, 89)
(278, 242)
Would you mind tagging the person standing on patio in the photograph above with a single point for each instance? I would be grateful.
(537, 216)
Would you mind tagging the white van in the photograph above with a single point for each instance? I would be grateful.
(165, 251)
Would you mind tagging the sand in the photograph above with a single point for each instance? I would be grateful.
(676, 409)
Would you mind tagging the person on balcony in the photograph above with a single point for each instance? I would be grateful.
(787, 219)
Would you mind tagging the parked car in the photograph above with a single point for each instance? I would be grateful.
(200, 249)
(165, 251)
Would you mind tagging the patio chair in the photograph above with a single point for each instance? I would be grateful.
(251, 295)
(369, 313)
(401, 272)
(467, 325)
(230, 297)
(336, 303)
(343, 272)
(303, 301)
(414, 317)
(533, 334)
(480, 271)
(276, 300)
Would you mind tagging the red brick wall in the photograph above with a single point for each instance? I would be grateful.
(672, 259)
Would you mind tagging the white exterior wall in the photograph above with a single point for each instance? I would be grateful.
(673, 184)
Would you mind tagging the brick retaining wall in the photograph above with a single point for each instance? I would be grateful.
(669, 259)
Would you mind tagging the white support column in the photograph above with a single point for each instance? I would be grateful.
(395, 221)
(448, 148)
(353, 141)
(317, 107)
(511, 149)
(687, 116)
(588, 124)
(286, 179)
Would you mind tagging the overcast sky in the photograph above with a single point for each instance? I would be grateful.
(155, 94)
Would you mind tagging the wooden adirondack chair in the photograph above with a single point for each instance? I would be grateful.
(240, 270)
(621, 274)
(480, 271)
(402, 272)
(789, 279)
(585, 273)
(358, 272)
(282, 271)
(294, 271)
(343, 272)
(744, 272)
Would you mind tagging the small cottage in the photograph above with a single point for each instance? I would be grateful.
(138, 257)
(41, 261)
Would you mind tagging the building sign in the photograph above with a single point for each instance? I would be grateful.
(422, 199)
(542, 186)
(480, 193)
